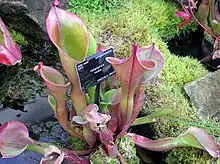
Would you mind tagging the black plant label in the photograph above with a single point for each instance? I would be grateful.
(95, 69)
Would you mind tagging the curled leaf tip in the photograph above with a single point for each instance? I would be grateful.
(153, 41)
(99, 48)
(185, 15)
(56, 3)
(38, 67)
(10, 53)
(14, 139)
(135, 47)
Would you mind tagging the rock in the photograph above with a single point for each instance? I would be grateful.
(27, 16)
(35, 112)
(204, 93)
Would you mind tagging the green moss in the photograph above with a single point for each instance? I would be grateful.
(127, 149)
(75, 143)
(137, 19)
(93, 5)
(187, 155)
(18, 38)
(100, 157)
(125, 146)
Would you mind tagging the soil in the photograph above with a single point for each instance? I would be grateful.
(194, 45)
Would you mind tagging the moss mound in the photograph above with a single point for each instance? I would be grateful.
(126, 148)
(144, 21)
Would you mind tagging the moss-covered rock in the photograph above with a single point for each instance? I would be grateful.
(20, 83)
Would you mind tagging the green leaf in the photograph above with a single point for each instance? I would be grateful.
(52, 102)
(2, 40)
(216, 27)
(68, 32)
(91, 94)
(92, 45)
(14, 139)
(193, 137)
(107, 99)
(152, 117)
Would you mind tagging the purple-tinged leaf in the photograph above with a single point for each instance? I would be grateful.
(216, 12)
(71, 37)
(193, 4)
(92, 115)
(53, 155)
(10, 53)
(96, 122)
(79, 120)
(193, 137)
(151, 53)
(14, 139)
(140, 68)
(121, 158)
(57, 87)
(138, 103)
(185, 15)
(112, 150)
(78, 152)
(68, 33)
(114, 122)
(153, 116)
(203, 13)
(72, 158)
(56, 2)
(89, 135)
(113, 81)
(106, 137)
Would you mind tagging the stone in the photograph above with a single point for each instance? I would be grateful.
(27, 16)
(204, 93)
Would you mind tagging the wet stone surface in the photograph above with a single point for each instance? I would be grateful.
(42, 125)
(37, 111)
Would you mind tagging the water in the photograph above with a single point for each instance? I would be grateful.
(32, 113)
(42, 125)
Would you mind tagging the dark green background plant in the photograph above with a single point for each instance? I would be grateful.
(94, 5)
